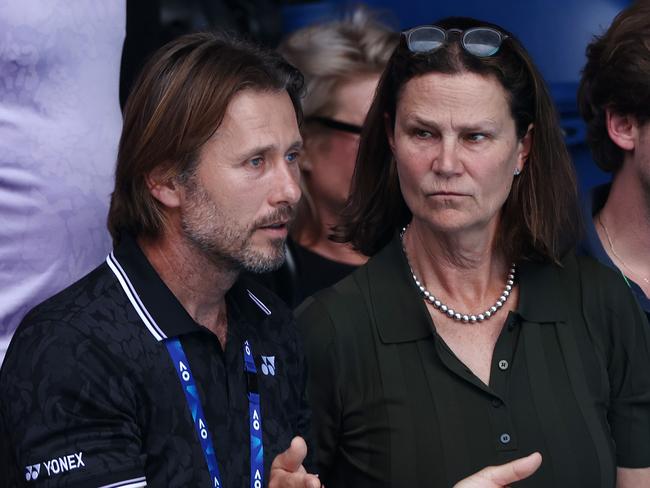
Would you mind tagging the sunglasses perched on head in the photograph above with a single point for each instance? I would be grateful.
(478, 41)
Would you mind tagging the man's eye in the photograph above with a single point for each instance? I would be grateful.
(422, 134)
(293, 157)
(256, 162)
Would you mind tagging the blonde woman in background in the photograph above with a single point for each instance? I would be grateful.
(341, 62)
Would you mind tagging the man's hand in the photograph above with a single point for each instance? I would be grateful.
(500, 476)
(287, 470)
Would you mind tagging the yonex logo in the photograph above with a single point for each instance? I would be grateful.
(55, 466)
(268, 365)
(31, 472)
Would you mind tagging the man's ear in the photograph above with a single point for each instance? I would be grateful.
(165, 188)
(622, 129)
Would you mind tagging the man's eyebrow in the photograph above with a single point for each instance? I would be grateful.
(296, 145)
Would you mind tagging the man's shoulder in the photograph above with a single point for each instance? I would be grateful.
(75, 298)
(91, 309)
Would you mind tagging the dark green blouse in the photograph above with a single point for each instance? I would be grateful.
(393, 406)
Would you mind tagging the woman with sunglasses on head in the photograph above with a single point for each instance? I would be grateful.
(341, 62)
(473, 335)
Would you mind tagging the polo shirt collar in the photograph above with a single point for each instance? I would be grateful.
(156, 305)
(402, 316)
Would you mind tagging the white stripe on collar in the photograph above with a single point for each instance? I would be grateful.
(132, 483)
(132, 294)
(259, 302)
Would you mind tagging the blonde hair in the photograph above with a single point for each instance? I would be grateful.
(328, 55)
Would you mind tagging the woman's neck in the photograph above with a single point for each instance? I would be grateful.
(461, 267)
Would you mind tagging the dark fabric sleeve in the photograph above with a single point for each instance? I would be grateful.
(323, 386)
(303, 420)
(620, 328)
(629, 375)
(69, 411)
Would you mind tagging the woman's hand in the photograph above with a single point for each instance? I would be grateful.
(503, 475)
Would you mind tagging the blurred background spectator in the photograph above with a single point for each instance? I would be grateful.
(342, 61)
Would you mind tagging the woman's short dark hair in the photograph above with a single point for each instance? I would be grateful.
(177, 103)
(539, 217)
(616, 77)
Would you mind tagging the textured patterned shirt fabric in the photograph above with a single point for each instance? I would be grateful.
(60, 124)
(89, 395)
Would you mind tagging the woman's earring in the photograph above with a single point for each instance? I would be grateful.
(517, 171)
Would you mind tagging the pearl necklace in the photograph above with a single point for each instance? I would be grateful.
(450, 312)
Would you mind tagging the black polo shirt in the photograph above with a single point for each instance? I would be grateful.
(89, 395)
(393, 406)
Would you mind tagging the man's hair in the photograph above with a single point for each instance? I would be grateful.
(540, 216)
(329, 55)
(176, 105)
(616, 78)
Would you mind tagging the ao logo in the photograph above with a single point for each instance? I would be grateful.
(258, 479)
(268, 365)
(185, 374)
(256, 419)
(202, 429)
(31, 472)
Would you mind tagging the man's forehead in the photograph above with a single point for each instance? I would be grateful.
(258, 119)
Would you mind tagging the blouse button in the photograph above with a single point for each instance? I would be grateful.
(503, 365)
(505, 438)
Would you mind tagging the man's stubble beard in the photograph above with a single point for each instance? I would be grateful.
(223, 241)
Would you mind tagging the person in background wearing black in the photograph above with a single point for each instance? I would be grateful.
(341, 62)
(614, 99)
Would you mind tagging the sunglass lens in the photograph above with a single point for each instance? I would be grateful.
(482, 42)
(425, 39)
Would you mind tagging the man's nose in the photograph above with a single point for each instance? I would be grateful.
(287, 184)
